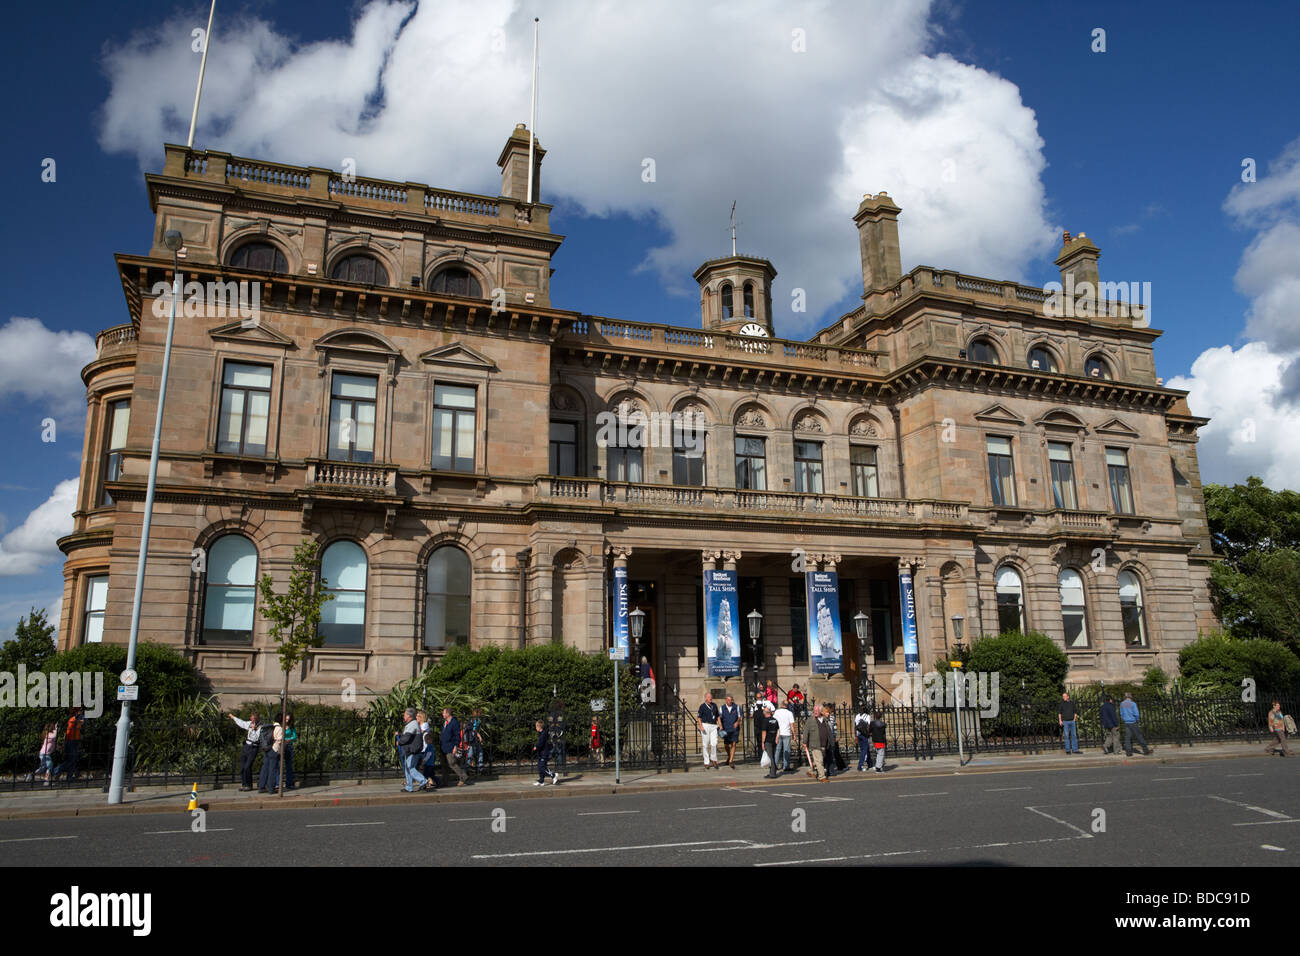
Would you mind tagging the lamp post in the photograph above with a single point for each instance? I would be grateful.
(636, 625)
(862, 627)
(755, 630)
(958, 648)
(959, 652)
(172, 240)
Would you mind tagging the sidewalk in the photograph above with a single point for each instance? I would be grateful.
(41, 803)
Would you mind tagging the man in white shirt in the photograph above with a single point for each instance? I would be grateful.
(862, 728)
(248, 756)
(785, 721)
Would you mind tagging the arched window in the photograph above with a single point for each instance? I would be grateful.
(982, 351)
(446, 599)
(749, 300)
(1072, 610)
(1042, 360)
(1096, 367)
(456, 281)
(343, 573)
(259, 257)
(361, 268)
(728, 305)
(1011, 602)
(1130, 606)
(231, 591)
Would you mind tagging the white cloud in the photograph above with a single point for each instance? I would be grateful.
(715, 94)
(41, 365)
(32, 544)
(11, 611)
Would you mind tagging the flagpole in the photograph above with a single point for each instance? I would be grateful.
(203, 63)
(532, 112)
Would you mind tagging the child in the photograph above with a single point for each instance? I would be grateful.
(597, 744)
(878, 740)
(543, 750)
(48, 736)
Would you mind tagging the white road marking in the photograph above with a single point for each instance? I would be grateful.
(1264, 823)
(208, 830)
(1168, 779)
(1083, 833)
(1269, 846)
(1005, 789)
(730, 806)
(1245, 775)
(1238, 803)
(373, 823)
(937, 793)
(756, 846)
(469, 819)
(1090, 783)
(30, 839)
(605, 813)
(600, 849)
(839, 859)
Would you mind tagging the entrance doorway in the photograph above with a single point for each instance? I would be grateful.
(644, 596)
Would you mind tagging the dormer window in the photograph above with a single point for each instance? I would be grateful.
(456, 281)
(259, 257)
(1041, 360)
(749, 300)
(728, 306)
(360, 268)
(1096, 367)
(982, 351)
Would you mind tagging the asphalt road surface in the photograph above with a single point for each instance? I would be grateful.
(1237, 812)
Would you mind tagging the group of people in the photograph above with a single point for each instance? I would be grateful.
(1127, 715)
(45, 769)
(419, 748)
(275, 742)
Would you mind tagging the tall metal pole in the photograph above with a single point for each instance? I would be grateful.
(173, 241)
(617, 774)
(532, 112)
(203, 63)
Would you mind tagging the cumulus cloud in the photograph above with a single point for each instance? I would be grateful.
(32, 544)
(41, 365)
(792, 109)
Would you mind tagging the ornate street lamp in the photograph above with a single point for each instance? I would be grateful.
(636, 623)
(958, 648)
(755, 620)
(862, 627)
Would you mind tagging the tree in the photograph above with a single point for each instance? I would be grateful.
(295, 617)
(1217, 663)
(32, 644)
(1256, 589)
(1030, 660)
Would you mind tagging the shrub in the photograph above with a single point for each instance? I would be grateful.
(1032, 658)
(1218, 663)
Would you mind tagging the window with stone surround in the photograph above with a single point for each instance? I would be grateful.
(352, 417)
(259, 256)
(1095, 366)
(360, 268)
(1042, 360)
(1132, 612)
(245, 409)
(446, 607)
(749, 300)
(1073, 613)
(456, 280)
(343, 574)
(564, 448)
(92, 618)
(1062, 467)
(117, 419)
(862, 465)
(231, 591)
(1002, 476)
(725, 295)
(1121, 490)
(982, 351)
(454, 427)
(751, 463)
(808, 467)
(1011, 600)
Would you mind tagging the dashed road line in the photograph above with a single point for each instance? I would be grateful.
(372, 823)
(1081, 832)
(1247, 806)
(730, 806)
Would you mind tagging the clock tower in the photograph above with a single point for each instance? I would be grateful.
(736, 295)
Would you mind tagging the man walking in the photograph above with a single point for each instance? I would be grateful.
(559, 724)
(270, 744)
(450, 742)
(1277, 724)
(1109, 726)
(707, 720)
(71, 746)
(1067, 717)
(862, 728)
(248, 755)
(878, 740)
(816, 737)
(785, 722)
(1128, 713)
(771, 732)
(410, 745)
(730, 729)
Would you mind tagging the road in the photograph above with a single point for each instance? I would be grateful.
(1225, 813)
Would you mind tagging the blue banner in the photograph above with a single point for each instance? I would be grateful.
(721, 623)
(824, 646)
(909, 621)
(619, 651)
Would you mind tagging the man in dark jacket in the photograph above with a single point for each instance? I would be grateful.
(450, 741)
(1109, 726)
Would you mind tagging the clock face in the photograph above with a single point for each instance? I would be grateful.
(753, 328)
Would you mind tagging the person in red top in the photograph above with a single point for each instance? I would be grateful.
(794, 700)
(71, 746)
(597, 744)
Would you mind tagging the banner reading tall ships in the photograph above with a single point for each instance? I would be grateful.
(619, 651)
(721, 623)
(823, 604)
(908, 599)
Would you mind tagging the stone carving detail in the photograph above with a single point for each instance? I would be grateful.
(563, 400)
(693, 414)
(864, 428)
(629, 409)
(751, 418)
(808, 423)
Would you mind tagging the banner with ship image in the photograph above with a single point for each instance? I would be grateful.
(823, 605)
(721, 623)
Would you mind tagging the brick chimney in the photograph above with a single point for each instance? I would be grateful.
(514, 166)
(877, 221)
(1078, 258)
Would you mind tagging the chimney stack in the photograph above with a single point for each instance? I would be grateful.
(877, 221)
(514, 166)
(1078, 258)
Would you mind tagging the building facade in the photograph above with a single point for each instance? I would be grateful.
(396, 384)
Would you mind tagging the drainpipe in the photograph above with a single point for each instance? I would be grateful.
(522, 558)
(898, 444)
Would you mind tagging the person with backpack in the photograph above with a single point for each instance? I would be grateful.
(248, 755)
(862, 729)
(46, 755)
(1277, 723)
(269, 742)
(543, 750)
(450, 742)
(411, 744)
(878, 740)
(1109, 726)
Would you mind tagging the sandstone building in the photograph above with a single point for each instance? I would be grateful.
(408, 395)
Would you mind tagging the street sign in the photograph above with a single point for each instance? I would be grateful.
(128, 677)
(128, 693)
(955, 663)
(598, 705)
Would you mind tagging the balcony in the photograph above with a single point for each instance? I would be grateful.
(350, 476)
(119, 340)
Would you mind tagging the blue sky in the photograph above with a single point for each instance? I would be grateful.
(1140, 146)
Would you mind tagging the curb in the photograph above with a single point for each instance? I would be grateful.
(471, 794)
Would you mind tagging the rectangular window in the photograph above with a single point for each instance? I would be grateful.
(1058, 454)
(92, 628)
(1121, 492)
(352, 417)
(245, 409)
(1002, 479)
(808, 467)
(751, 464)
(564, 448)
(115, 428)
(454, 425)
(624, 464)
(862, 464)
(799, 620)
(688, 456)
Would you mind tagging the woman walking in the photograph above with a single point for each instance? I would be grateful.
(46, 755)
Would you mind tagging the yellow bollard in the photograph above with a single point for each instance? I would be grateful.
(194, 797)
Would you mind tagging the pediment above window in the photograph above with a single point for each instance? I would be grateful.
(249, 331)
(1060, 418)
(461, 356)
(1000, 414)
(1116, 427)
(359, 342)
